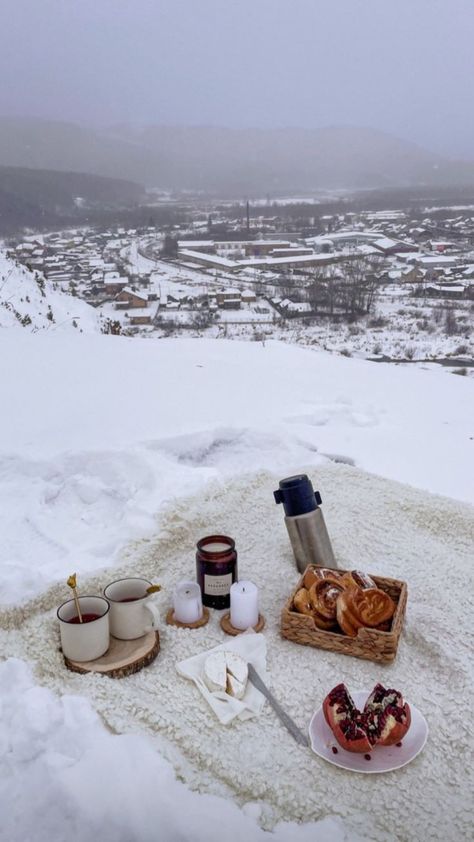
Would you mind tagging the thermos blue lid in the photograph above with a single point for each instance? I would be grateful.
(297, 495)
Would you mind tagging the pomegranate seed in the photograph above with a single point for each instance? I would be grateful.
(334, 750)
(367, 757)
(399, 745)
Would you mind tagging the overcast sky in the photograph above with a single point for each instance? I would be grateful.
(404, 66)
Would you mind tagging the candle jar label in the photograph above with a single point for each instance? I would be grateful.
(217, 585)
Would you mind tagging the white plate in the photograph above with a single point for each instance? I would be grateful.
(382, 758)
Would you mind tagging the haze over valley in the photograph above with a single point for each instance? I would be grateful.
(231, 162)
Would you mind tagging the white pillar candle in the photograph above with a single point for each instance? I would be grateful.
(187, 602)
(243, 605)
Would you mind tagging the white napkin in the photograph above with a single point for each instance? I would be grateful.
(252, 647)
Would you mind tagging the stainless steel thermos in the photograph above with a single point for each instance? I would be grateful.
(305, 522)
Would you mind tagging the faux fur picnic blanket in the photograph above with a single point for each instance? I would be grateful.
(376, 525)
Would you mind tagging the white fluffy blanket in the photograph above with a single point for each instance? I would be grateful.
(376, 525)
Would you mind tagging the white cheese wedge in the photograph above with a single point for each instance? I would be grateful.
(234, 687)
(237, 667)
(226, 672)
(215, 673)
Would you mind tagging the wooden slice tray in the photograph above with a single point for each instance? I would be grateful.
(227, 626)
(197, 625)
(123, 657)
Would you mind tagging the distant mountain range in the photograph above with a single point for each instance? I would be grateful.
(232, 162)
(46, 197)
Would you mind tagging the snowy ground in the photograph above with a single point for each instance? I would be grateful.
(56, 784)
(28, 301)
(406, 327)
(96, 433)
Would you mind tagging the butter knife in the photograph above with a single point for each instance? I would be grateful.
(282, 715)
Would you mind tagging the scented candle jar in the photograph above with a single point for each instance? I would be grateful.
(216, 569)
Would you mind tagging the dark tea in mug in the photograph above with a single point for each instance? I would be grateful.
(86, 618)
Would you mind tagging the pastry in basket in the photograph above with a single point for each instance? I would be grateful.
(323, 596)
(384, 721)
(373, 606)
(356, 608)
(302, 603)
(385, 627)
(347, 619)
(315, 574)
(357, 579)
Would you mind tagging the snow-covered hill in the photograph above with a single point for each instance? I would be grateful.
(96, 434)
(28, 301)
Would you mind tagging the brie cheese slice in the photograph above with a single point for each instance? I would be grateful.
(215, 674)
(226, 672)
(237, 667)
(234, 687)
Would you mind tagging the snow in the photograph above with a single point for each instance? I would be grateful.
(21, 297)
(210, 259)
(130, 291)
(247, 314)
(438, 260)
(447, 287)
(64, 776)
(137, 262)
(299, 307)
(346, 235)
(194, 244)
(385, 243)
(99, 432)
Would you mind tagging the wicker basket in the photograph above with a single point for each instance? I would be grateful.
(371, 644)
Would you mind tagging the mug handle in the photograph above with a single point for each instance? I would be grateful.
(155, 615)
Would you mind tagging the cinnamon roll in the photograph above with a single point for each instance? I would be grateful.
(358, 579)
(302, 602)
(323, 596)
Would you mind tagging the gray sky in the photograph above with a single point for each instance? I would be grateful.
(404, 66)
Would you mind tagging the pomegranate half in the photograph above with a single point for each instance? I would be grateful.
(384, 721)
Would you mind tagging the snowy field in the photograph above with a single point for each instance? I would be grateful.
(97, 434)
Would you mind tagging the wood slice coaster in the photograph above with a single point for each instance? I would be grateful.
(229, 629)
(123, 657)
(197, 625)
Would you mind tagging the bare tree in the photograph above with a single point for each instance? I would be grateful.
(322, 291)
(348, 288)
(362, 278)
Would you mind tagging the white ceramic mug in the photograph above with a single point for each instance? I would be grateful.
(89, 640)
(132, 613)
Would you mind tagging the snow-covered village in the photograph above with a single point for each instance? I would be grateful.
(237, 423)
(386, 285)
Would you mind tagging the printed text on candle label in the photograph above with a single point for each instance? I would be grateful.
(217, 585)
